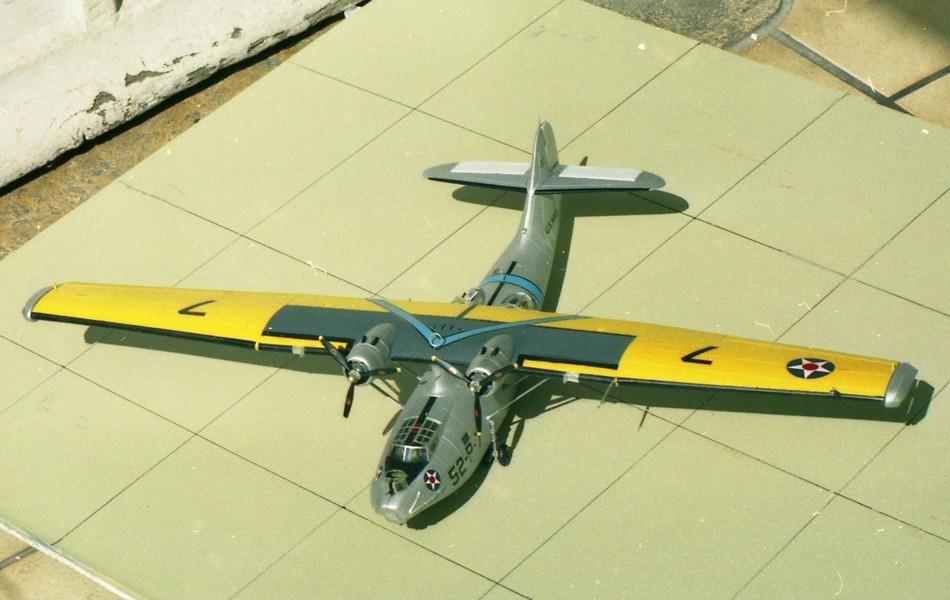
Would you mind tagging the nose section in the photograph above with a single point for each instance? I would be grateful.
(393, 515)
(397, 506)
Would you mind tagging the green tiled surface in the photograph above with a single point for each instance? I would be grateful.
(264, 147)
(791, 213)
(20, 371)
(201, 524)
(683, 521)
(70, 447)
(849, 551)
(909, 266)
(337, 557)
(687, 283)
(586, 58)
(439, 42)
(391, 164)
(291, 426)
(705, 127)
(837, 171)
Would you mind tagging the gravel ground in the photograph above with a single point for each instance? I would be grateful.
(719, 23)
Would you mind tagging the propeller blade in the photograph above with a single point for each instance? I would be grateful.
(502, 371)
(332, 350)
(386, 371)
(478, 414)
(449, 368)
(348, 403)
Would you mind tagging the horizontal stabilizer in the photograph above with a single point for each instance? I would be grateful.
(567, 178)
(563, 178)
(511, 176)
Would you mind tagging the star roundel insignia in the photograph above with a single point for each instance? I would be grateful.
(810, 368)
(432, 480)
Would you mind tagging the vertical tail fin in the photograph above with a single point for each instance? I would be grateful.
(543, 157)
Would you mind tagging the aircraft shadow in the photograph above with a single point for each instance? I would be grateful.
(552, 396)
(555, 393)
(399, 386)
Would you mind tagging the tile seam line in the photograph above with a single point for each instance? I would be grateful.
(82, 521)
(617, 106)
(839, 493)
(784, 547)
(845, 276)
(57, 368)
(68, 368)
(853, 274)
(424, 548)
(239, 236)
(682, 425)
(193, 435)
(343, 509)
(380, 292)
(492, 52)
(735, 184)
(190, 435)
(190, 438)
(462, 73)
(834, 496)
(567, 522)
(821, 114)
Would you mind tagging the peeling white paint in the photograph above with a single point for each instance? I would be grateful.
(72, 69)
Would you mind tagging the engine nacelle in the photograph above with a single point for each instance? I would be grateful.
(371, 354)
(496, 354)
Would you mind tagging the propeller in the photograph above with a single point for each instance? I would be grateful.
(478, 383)
(356, 372)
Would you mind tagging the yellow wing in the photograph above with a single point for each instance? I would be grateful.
(568, 346)
(670, 355)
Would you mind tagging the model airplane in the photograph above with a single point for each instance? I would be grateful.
(478, 348)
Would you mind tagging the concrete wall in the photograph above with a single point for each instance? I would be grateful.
(73, 69)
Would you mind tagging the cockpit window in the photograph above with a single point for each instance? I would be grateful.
(410, 454)
(413, 433)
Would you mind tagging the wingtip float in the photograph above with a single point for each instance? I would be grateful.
(476, 350)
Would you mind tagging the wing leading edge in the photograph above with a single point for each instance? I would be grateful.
(547, 344)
